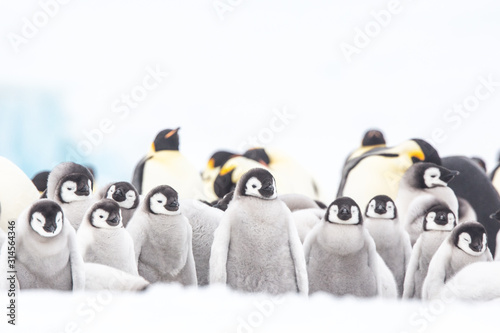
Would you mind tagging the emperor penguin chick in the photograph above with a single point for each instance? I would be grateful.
(163, 239)
(47, 255)
(71, 185)
(103, 239)
(465, 245)
(391, 240)
(126, 195)
(437, 225)
(422, 183)
(341, 256)
(256, 247)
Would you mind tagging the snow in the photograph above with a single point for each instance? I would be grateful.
(173, 308)
(226, 81)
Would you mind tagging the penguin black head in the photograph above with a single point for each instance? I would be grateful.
(439, 218)
(124, 193)
(163, 200)
(470, 237)
(344, 210)
(40, 180)
(430, 153)
(168, 139)
(105, 214)
(381, 207)
(429, 175)
(373, 137)
(480, 162)
(223, 203)
(257, 183)
(46, 218)
(75, 187)
(258, 155)
(219, 158)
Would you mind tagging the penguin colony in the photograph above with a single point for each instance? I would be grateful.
(405, 223)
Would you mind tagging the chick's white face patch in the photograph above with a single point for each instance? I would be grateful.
(99, 217)
(252, 187)
(464, 241)
(157, 205)
(431, 224)
(111, 190)
(388, 215)
(38, 222)
(431, 178)
(129, 200)
(333, 215)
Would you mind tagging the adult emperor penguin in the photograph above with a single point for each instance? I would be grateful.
(496, 216)
(466, 244)
(102, 239)
(290, 175)
(379, 170)
(125, 194)
(495, 178)
(212, 170)
(256, 247)
(204, 220)
(40, 181)
(474, 186)
(71, 186)
(17, 192)
(372, 138)
(165, 165)
(163, 239)
(391, 240)
(421, 184)
(47, 255)
(437, 225)
(341, 256)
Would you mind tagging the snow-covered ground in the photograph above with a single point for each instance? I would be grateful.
(172, 308)
(228, 77)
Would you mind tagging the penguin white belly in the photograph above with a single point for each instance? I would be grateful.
(16, 193)
(164, 254)
(496, 180)
(173, 169)
(259, 257)
(375, 175)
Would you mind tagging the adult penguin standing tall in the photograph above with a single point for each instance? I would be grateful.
(474, 186)
(379, 170)
(165, 165)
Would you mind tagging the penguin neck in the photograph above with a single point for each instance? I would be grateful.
(384, 231)
(341, 239)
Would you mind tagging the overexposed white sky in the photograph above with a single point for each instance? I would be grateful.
(225, 77)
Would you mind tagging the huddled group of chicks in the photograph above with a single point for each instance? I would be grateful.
(405, 223)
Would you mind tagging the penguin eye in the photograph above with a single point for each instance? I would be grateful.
(159, 201)
(39, 220)
(101, 216)
(254, 186)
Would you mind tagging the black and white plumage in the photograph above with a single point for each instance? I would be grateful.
(165, 165)
(102, 239)
(47, 255)
(341, 255)
(439, 221)
(475, 186)
(421, 186)
(163, 239)
(391, 240)
(125, 194)
(466, 244)
(212, 169)
(256, 247)
(71, 185)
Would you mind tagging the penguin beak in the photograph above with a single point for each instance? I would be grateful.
(113, 219)
(448, 175)
(344, 213)
(50, 228)
(83, 190)
(268, 190)
(119, 196)
(173, 206)
(476, 246)
(172, 132)
(441, 219)
(380, 209)
(495, 216)
(417, 156)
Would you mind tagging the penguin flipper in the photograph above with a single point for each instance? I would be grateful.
(436, 275)
(139, 173)
(298, 257)
(77, 264)
(219, 252)
(409, 283)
